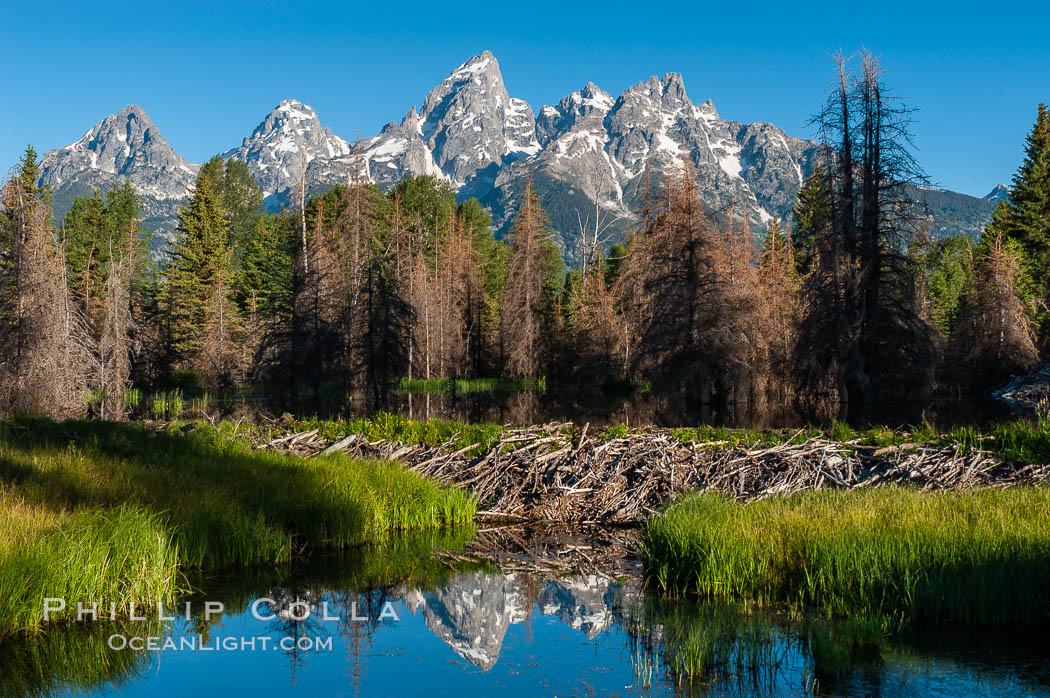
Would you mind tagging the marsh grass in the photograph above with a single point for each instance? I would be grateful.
(394, 427)
(979, 557)
(119, 555)
(98, 510)
(472, 386)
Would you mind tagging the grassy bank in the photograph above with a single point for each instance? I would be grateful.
(978, 557)
(103, 511)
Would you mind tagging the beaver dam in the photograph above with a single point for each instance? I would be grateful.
(556, 472)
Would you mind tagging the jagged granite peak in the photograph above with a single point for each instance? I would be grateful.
(289, 138)
(472, 126)
(597, 149)
(123, 146)
(553, 121)
(397, 152)
(1001, 192)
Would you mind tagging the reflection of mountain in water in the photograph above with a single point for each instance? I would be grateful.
(473, 612)
(582, 603)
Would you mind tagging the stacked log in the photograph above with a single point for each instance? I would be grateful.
(556, 473)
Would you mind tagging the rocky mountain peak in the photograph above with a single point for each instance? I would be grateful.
(999, 193)
(673, 89)
(553, 121)
(666, 93)
(122, 146)
(586, 150)
(290, 137)
(472, 126)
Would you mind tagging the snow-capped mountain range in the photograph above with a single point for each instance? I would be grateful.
(587, 148)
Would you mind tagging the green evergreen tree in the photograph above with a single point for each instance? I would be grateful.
(812, 216)
(241, 197)
(948, 269)
(201, 320)
(264, 276)
(1026, 221)
(87, 237)
(95, 232)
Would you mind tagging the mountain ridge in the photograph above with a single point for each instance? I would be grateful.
(589, 149)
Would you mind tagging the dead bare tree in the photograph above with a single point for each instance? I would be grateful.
(596, 229)
(862, 326)
(994, 337)
(696, 292)
(778, 310)
(39, 367)
(527, 296)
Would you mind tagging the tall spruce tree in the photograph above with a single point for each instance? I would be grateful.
(812, 216)
(1025, 219)
(203, 321)
(240, 196)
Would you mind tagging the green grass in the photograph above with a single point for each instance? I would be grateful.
(121, 555)
(472, 386)
(101, 510)
(394, 427)
(980, 557)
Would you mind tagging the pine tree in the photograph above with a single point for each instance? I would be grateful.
(240, 195)
(948, 266)
(106, 259)
(204, 324)
(812, 216)
(1026, 219)
(87, 237)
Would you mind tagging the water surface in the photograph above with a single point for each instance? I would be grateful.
(411, 624)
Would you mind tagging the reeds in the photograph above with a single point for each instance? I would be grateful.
(471, 386)
(120, 555)
(980, 557)
(385, 426)
(100, 509)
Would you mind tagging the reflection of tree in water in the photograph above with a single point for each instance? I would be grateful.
(287, 624)
(358, 635)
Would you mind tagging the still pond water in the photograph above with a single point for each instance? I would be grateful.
(412, 624)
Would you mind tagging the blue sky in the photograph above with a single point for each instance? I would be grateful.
(208, 73)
